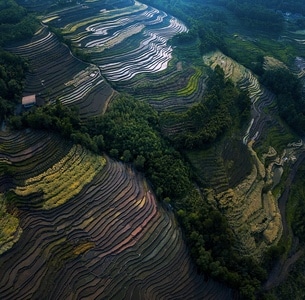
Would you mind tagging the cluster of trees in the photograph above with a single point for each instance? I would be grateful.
(35, 6)
(294, 6)
(256, 16)
(211, 38)
(61, 119)
(207, 26)
(207, 38)
(266, 13)
(288, 90)
(129, 131)
(212, 246)
(15, 22)
(12, 75)
(223, 106)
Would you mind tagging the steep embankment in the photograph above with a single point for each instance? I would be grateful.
(101, 235)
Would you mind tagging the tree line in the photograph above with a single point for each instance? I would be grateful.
(290, 101)
(256, 16)
(15, 23)
(12, 76)
(294, 6)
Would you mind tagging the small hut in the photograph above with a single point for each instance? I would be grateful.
(29, 101)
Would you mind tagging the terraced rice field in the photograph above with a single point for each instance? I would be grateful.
(174, 90)
(27, 154)
(126, 45)
(123, 42)
(10, 230)
(64, 179)
(209, 169)
(56, 74)
(298, 38)
(252, 213)
(109, 239)
(259, 95)
(130, 47)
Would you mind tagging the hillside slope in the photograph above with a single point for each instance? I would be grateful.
(238, 169)
(101, 237)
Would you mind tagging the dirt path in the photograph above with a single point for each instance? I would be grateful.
(283, 266)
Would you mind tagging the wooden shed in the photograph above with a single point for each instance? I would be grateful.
(29, 101)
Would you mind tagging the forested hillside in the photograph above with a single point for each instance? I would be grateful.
(166, 158)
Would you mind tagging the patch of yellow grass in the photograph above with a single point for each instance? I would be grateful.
(249, 210)
(273, 63)
(49, 19)
(234, 71)
(83, 76)
(82, 248)
(65, 179)
(231, 68)
(9, 228)
(141, 202)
